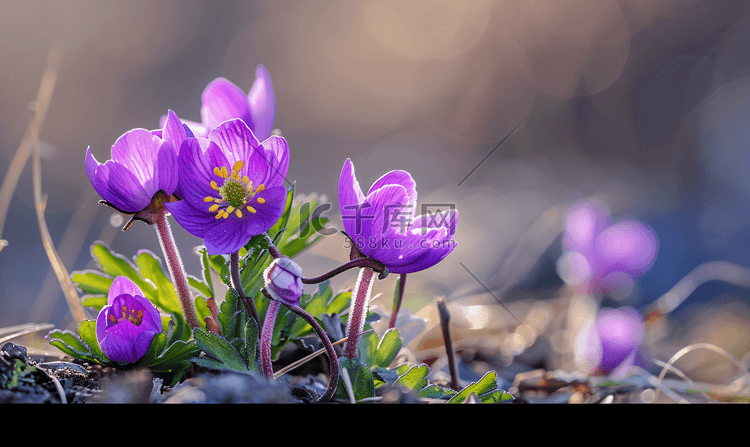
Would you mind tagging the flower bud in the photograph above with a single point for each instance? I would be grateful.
(126, 326)
(284, 280)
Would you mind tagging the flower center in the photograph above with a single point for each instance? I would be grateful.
(235, 193)
(134, 316)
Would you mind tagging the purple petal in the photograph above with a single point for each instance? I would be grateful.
(118, 186)
(122, 285)
(583, 223)
(197, 129)
(447, 219)
(350, 196)
(137, 151)
(236, 139)
(628, 247)
(198, 158)
(222, 101)
(374, 218)
(417, 251)
(402, 178)
(225, 236)
(620, 332)
(166, 173)
(121, 339)
(195, 221)
(276, 155)
(262, 102)
(173, 132)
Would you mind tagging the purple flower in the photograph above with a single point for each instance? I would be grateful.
(601, 257)
(143, 164)
(222, 101)
(611, 344)
(233, 186)
(283, 280)
(382, 224)
(128, 323)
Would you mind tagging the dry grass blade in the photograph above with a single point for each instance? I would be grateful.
(309, 357)
(696, 346)
(25, 329)
(39, 107)
(43, 99)
(709, 271)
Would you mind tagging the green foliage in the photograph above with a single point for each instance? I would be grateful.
(376, 354)
(169, 355)
(360, 378)
(485, 389)
(146, 272)
(223, 355)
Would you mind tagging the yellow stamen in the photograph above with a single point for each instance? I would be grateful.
(251, 209)
(261, 187)
(237, 167)
(261, 200)
(246, 179)
(224, 172)
(214, 185)
(209, 199)
(238, 213)
(230, 209)
(213, 207)
(218, 216)
(225, 215)
(220, 172)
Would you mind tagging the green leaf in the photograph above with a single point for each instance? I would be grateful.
(180, 331)
(92, 282)
(415, 378)
(433, 391)
(228, 313)
(486, 390)
(219, 349)
(87, 332)
(207, 280)
(360, 376)
(251, 341)
(97, 302)
(376, 352)
(164, 295)
(158, 343)
(70, 344)
(176, 358)
(200, 286)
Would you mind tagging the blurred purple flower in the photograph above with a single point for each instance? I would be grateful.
(383, 226)
(612, 344)
(222, 100)
(233, 186)
(143, 164)
(283, 279)
(128, 323)
(600, 256)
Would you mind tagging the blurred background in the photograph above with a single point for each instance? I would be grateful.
(642, 103)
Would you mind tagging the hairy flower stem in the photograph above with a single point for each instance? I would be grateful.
(176, 270)
(234, 271)
(359, 262)
(266, 335)
(271, 247)
(333, 360)
(358, 311)
(397, 300)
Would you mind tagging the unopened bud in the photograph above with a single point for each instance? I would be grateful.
(284, 280)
